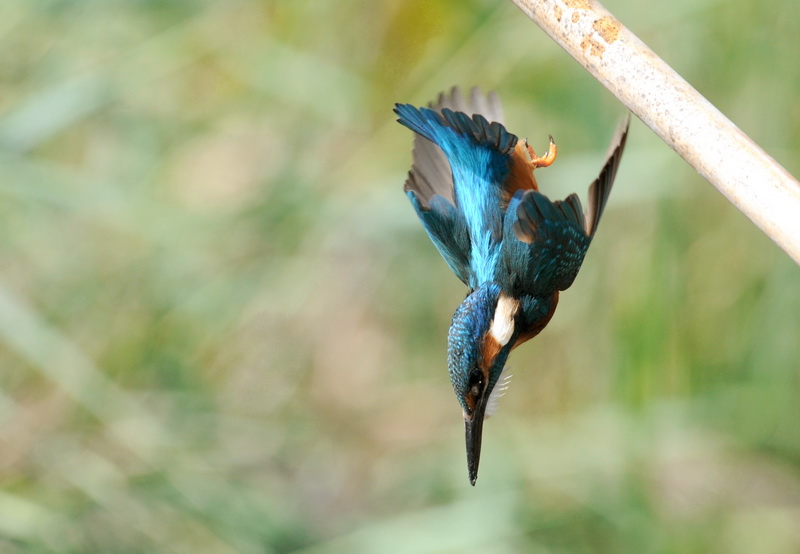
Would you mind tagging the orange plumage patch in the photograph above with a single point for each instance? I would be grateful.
(491, 348)
(521, 176)
(523, 163)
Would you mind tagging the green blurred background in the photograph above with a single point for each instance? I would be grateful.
(222, 328)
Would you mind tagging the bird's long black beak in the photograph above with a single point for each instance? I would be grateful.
(474, 430)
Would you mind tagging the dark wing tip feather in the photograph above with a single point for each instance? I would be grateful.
(476, 102)
(430, 172)
(532, 209)
(572, 210)
(493, 135)
(478, 127)
(535, 208)
(600, 189)
(418, 120)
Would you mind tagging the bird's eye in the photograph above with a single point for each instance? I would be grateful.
(475, 383)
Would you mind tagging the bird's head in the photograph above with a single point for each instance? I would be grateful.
(480, 339)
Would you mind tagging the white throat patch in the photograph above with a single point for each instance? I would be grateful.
(503, 323)
(498, 391)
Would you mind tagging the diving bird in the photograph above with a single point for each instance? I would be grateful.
(472, 185)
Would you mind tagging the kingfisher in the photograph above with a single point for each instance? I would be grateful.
(473, 188)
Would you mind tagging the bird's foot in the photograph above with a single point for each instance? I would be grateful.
(547, 159)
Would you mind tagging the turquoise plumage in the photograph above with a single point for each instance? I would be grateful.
(473, 188)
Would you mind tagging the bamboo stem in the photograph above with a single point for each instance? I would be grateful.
(754, 182)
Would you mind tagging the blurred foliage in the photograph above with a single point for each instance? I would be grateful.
(223, 330)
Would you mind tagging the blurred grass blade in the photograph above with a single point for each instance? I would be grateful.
(42, 346)
(45, 114)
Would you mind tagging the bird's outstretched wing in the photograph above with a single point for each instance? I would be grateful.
(553, 237)
(601, 187)
(456, 182)
(430, 171)
(448, 231)
(460, 137)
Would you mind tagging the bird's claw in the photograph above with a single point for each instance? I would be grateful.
(544, 161)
